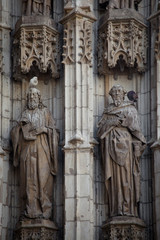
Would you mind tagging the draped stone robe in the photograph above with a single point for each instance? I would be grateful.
(121, 148)
(37, 158)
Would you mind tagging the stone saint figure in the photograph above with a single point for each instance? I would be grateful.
(116, 4)
(36, 7)
(122, 144)
(35, 150)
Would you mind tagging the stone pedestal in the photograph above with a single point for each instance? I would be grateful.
(123, 228)
(36, 229)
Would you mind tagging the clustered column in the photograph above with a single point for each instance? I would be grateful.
(78, 122)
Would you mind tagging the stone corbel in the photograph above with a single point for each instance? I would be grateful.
(122, 42)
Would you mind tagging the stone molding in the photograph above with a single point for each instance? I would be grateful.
(122, 42)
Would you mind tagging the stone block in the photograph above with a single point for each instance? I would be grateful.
(84, 230)
(70, 209)
(146, 213)
(17, 107)
(70, 231)
(1, 167)
(1, 209)
(83, 163)
(146, 191)
(5, 128)
(5, 193)
(157, 184)
(83, 185)
(70, 163)
(158, 229)
(69, 186)
(100, 193)
(156, 161)
(157, 208)
(83, 209)
(4, 233)
(5, 171)
(5, 216)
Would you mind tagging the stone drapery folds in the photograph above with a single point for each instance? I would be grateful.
(122, 144)
(35, 151)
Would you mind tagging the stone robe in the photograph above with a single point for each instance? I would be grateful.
(121, 148)
(37, 158)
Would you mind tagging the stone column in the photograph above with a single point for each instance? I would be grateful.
(158, 98)
(79, 141)
(156, 151)
(1, 188)
(155, 21)
(156, 145)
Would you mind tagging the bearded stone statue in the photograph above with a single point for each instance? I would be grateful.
(35, 151)
(122, 144)
(36, 7)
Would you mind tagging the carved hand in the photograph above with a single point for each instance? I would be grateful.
(38, 131)
(116, 122)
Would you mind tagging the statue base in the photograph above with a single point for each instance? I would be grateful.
(37, 229)
(124, 227)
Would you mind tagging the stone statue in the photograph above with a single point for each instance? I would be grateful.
(122, 144)
(36, 7)
(35, 150)
(116, 4)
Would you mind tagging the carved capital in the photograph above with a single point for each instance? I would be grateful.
(78, 36)
(122, 44)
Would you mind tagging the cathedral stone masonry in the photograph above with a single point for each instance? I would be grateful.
(79, 119)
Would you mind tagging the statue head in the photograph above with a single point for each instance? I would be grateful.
(117, 93)
(33, 95)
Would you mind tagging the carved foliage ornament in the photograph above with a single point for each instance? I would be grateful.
(157, 46)
(36, 46)
(132, 232)
(1, 51)
(122, 44)
(81, 27)
(36, 233)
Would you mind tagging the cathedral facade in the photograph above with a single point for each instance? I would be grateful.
(77, 50)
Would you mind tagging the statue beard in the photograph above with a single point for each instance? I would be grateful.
(117, 102)
(32, 105)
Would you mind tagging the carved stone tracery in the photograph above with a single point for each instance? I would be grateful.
(36, 229)
(157, 45)
(82, 54)
(36, 46)
(123, 229)
(122, 44)
(36, 41)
